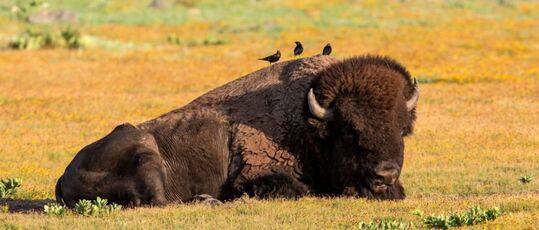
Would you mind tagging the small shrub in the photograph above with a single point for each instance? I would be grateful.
(525, 179)
(417, 212)
(473, 216)
(72, 38)
(32, 40)
(385, 224)
(4, 208)
(435, 222)
(86, 208)
(8, 187)
(55, 209)
(96, 207)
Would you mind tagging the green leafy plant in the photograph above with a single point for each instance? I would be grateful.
(55, 209)
(4, 208)
(525, 179)
(8, 187)
(95, 207)
(72, 38)
(473, 216)
(417, 212)
(32, 39)
(388, 223)
(39, 38)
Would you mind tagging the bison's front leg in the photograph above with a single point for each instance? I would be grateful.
(277, 185)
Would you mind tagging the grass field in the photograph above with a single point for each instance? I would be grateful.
(477, 131)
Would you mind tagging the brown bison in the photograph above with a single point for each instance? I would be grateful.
(315, 126)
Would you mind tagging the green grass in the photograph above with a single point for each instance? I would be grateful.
(305, 213)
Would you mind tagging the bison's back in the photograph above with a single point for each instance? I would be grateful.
(259, 112)
(266, 94)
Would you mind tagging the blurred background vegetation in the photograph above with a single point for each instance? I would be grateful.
(268, 18)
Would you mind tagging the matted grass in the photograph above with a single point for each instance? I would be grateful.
(478, 120)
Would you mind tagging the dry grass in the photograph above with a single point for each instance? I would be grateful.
(477, 131)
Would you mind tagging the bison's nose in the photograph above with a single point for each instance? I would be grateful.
(386, 173)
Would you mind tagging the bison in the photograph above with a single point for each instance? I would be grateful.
(316, 125)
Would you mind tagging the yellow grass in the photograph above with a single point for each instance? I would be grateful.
(477, 130)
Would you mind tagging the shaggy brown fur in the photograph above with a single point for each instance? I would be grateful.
(256, 135)
(368, 94)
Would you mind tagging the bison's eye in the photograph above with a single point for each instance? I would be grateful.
(140, 159)
(137, 160)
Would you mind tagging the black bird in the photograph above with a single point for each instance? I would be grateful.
(272, 58)
(327, 50)
(299, 48)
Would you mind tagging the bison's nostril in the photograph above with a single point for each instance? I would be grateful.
(388, 177)
(378, 183)
(387, 172)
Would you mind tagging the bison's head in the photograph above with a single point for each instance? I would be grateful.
(125, 167)
(365, 106)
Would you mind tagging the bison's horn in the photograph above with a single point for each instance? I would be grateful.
(317, 110)
(412, 102)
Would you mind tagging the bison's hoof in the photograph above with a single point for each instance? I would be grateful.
(206, 199)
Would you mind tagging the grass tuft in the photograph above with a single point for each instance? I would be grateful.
(72, 38)
(4, 208)
(8, 187)
(525, 179)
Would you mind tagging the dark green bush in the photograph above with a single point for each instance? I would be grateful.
(72, 38)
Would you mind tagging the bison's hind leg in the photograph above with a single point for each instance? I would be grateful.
(278, 185)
